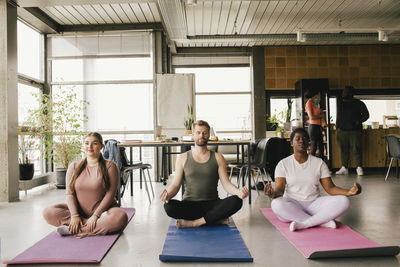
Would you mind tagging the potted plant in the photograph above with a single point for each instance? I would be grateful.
(280, 131)
(287, 114)
(272, 123)
(189, 119)
(58, 122)
(25, 146)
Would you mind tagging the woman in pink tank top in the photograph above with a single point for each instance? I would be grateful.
(315, 115)
(91, 207)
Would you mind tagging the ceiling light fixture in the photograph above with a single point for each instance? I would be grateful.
(301, 37)
(382, 36)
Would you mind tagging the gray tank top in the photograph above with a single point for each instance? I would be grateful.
(201, 179)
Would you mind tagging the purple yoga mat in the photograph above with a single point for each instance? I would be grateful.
(321, 242)
(69, 249)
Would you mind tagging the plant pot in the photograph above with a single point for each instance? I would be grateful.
(26, 171)
(287, 126)
(188, 132)
(60, 177)
(271, 126)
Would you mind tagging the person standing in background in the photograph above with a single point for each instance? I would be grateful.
(315, 115)
(351, 113)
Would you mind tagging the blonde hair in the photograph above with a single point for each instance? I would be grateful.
(82, 165)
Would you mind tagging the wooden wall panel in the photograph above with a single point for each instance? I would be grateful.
(366, 66)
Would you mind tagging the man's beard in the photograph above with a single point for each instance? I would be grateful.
(200, 143)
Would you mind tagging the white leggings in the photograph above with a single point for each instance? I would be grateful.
(310, 213)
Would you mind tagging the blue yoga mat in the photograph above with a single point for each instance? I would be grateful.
(216, 243)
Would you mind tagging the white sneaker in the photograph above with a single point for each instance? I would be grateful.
(343, 170)
(359, 171)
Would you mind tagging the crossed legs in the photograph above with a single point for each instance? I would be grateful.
(305, 214)
(113, 220)
(197, 213)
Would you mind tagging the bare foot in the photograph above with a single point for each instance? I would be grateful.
(180, 223)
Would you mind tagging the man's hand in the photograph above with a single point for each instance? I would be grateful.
(164, 196)
(355, 190)
(243, 193)
(268, 190)
(75, 224)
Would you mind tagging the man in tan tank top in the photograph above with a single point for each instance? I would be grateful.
(201, 169)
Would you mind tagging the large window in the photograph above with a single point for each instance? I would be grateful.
(116, 107)
(380, 107)
(102, 69)
(26, 101)
(278, 107)
(30, 51)
(30, 72)
(114, 73)
(223, 98)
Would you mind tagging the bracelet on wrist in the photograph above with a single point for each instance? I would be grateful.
(94, 214)
(75, 215)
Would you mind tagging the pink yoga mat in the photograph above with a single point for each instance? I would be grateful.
(68, 249)
(321, 242)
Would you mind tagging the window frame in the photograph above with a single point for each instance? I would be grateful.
(37, 83)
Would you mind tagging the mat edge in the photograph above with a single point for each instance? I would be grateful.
(396, 250)
(169, 258)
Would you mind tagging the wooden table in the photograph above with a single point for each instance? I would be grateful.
(373, 148)
(186, 146)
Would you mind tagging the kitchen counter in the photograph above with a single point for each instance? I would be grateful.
(373, 145)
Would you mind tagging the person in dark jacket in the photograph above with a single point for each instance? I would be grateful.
(351, 113)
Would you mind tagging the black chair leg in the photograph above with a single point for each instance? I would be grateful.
(131, 181)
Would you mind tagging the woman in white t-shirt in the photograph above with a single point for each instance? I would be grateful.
(296, 197)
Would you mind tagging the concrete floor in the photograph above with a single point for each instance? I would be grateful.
(375, 213)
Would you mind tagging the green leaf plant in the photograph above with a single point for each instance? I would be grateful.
(58, 123)
(189, 119)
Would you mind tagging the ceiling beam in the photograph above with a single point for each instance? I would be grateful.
(111, 27)
(173, 15)
(38, 19)
(213, 50)
(44, 3)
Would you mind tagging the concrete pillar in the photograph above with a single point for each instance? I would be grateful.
(158, 52)
(258, 67)
(9, 170)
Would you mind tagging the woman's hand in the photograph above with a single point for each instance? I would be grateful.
(243, 193)
(355, 190)
(268, 190)
(75, 224)
(164, 196)
(91, 222)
